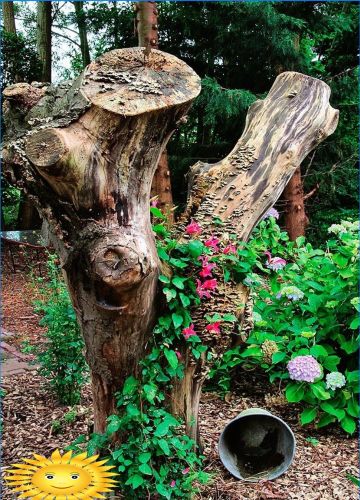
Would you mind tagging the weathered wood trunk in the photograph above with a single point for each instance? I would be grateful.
(279, 132)
(8, 17)
(81, 23)
(295, 217)
(89, 166)
(43, 38)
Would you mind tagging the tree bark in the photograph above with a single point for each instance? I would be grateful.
(90, 165)
(9, 17)
(43, 39)
(279, 132)
(296, 219)
(81, 22)
(147, 29)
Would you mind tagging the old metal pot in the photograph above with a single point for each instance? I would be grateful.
(257, 445)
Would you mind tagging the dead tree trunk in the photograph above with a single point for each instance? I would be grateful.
(87, 154)
(81, 22)
(147, 29)
(89, 165)
(43, 39)
(8, 17)
(279, 132)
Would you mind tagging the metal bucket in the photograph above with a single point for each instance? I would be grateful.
(256, 445)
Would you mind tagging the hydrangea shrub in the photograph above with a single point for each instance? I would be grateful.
(306, 319)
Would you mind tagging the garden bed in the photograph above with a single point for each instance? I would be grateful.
(35, 422)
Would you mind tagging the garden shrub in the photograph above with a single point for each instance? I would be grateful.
(60, 357)
(305, 322)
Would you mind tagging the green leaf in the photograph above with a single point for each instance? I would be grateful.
(162, 429)
(353, 408)
(157, 213)
(184, 300)
(132, 410)
(340, 260)
(251, 351)
(294, 392)
(195, 248)
(170, 294)
(319, 391)
(231, 318)
(353, 376)
(348, 424)
(164, 279)
(179, 282)
(325, 420)
(145, 469)
(353, 479)
(172, 358)
(354, 325)
(130, 386)
(331, 362)
(308, 415)
(144, 457)
(164, 446)
(178, 263)
(163, 491)
(318, 350)
(177, 319)
(135, 481)
(277, 357)
(329, 408)
(150, 391)
(114, 424)
(160, 229)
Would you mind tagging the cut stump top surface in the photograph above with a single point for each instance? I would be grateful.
(124, 82)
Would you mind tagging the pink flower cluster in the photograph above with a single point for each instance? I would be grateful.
(274, 263)
(304, 369)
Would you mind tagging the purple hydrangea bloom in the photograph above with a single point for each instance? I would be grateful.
(271, 213)
(291, 293)
(304, 369)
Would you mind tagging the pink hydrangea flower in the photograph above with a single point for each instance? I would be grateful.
(206, 270)
(274, 263)
(229, 249)
(189, 331)
(173, 483)
(213, 243)
(186, 470)
(304, 369)
(193, 228)
(213, 327)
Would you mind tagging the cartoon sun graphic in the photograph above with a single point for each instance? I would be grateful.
(61, 477)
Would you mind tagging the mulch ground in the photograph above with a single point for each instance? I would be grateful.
(35, 422)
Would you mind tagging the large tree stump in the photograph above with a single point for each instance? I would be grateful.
(86, 152)
(89, 165)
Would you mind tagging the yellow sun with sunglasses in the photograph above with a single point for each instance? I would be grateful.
(61, 477)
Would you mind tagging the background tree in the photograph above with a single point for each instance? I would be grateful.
(8, 17)
(81, 23)
(43, 41)
(147, 29)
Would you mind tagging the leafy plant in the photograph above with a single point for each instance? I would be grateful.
(306, 311)
(61, 357)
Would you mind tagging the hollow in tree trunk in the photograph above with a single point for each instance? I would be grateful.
(295, 217)
(89, 165)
